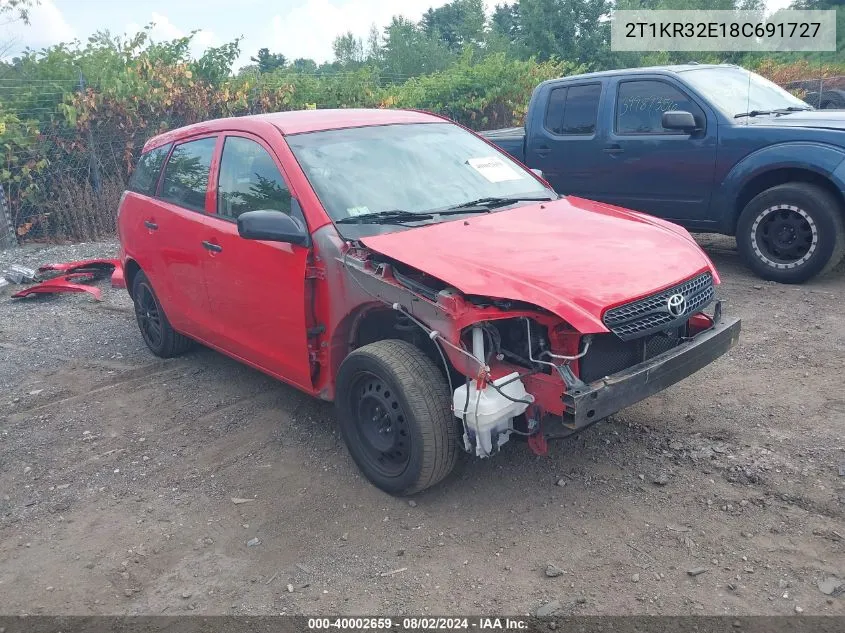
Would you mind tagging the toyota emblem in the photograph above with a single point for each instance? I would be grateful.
(677, 305)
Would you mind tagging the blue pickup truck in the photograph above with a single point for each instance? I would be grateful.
(714, 148)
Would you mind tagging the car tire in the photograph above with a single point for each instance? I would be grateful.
(158, 334)
(394, 410)
(791, 232)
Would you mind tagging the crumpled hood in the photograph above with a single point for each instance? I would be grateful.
(827, 119)
(573, 257)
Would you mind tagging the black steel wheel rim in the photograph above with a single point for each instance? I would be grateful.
(785, 235)
(381, 425)
(148, 315)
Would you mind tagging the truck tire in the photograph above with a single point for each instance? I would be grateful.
(395, 414)
(158, 334)
(791, 232)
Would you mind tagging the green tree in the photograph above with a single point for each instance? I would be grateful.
(303, 65)
(348, 49)
(457, 24)
(575, 30)
(267, 61)
(409, 52)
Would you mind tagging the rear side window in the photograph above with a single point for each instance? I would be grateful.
(145, 177)
(186, 174)
(249, 180)
(573, 110)
(640, 106)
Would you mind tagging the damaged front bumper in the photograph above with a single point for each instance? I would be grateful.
(585, 404)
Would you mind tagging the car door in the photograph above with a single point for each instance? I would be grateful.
(662, 172)
(172, 222)
(256, 288)
(565, 147)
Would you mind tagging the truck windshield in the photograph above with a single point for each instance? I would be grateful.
(735, 91)
(396, 175)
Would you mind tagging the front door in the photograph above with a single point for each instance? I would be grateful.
(256, 289)
(654, 170)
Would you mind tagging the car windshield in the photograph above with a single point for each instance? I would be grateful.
(735, 91)
(425, 172)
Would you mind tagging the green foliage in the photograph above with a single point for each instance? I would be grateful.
(481, 94)
(267, 61)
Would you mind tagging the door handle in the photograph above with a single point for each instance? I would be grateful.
(210, 246)
(151, 225)
(613, 149)
(542, 152)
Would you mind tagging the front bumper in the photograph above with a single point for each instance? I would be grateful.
(588, 403)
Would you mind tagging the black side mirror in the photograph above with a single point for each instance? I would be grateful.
(273, 226)
(679, 120)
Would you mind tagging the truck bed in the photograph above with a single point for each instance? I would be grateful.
(510, 139)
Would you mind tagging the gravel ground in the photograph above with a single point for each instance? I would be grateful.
(132, 485)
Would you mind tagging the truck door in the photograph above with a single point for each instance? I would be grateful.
(562, 141)
(651, 169)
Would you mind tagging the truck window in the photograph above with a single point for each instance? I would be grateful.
(249, 180)
(186, 174)
(640, 106)
(145, 177)
(573, 110)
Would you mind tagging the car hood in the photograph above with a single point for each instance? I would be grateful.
(573, 257)
(827, 119)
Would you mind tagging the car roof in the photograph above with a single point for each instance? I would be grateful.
(647, 70)
(297, 122)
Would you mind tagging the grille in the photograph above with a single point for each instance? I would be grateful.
(608, 355)
(650, 315)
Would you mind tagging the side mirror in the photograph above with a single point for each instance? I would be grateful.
(679, 120)
(273, 226)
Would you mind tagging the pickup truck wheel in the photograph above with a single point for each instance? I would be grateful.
(395, 415)
(156, 330)
(791, 232)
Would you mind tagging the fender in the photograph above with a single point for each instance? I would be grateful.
(823, 159)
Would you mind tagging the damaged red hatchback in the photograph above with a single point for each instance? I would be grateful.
(441, 294)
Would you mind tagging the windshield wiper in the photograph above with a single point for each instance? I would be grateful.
(752, 113)
(493, 202)
(385, 217)
(791, 109)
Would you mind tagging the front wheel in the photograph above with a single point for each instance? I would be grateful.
(791, 232)
(394, 410)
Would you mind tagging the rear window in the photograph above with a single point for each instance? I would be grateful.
(573, 110)
(186, 175)
(145, 177)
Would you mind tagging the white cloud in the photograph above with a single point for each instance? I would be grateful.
(164, 30)
(47, 26)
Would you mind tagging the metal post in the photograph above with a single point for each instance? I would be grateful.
(94, 163)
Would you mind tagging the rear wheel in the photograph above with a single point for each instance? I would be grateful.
(394, 410)
(791, 232)
(156, 330)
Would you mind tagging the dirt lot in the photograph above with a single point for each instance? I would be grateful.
(118, 473)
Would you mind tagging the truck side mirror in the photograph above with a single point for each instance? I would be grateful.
(679, 120)
(273, 226)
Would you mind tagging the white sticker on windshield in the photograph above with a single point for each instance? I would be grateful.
(494, 169)
(356, 211)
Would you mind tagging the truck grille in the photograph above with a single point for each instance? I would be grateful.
(650, 315)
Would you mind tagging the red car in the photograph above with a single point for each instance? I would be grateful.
(440, 293)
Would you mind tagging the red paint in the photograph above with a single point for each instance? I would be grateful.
(291, 311)
(546, 254)
(60, 284)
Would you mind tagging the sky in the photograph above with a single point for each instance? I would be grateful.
(295, 28)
